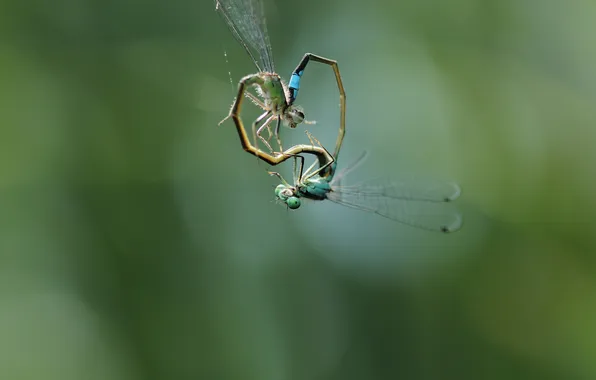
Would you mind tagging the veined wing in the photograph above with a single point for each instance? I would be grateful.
(246, 20)
(428, 209)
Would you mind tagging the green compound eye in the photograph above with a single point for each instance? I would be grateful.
(278, 189)
(293, 203)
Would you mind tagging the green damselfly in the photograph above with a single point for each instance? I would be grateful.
(246, 20)
(427, 208)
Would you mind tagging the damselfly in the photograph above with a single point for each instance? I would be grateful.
(426, 208)
(246, 21)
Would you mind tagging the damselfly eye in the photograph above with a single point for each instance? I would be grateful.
(293, 202)
(296, 117)
(299, 117)
(284, 193)
(279, 189)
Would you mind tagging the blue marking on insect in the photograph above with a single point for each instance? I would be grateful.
(294, 85)
(295, 80)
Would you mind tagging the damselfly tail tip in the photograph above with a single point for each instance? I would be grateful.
(453, 227)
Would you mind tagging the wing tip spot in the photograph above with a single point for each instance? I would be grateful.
(456, 193)
(455, 226)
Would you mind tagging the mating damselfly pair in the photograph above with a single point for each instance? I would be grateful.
(428, 208)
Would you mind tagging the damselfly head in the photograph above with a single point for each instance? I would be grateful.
(294, 116)
(279, 189)
(288, 196)
(284, 192)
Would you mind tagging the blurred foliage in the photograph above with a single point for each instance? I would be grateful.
(138, 240)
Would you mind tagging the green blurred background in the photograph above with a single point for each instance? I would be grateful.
(138, 240)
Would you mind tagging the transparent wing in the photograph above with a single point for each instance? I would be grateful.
(348, 169)
(428, 208)
(246, 20)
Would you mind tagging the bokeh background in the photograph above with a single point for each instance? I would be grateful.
(138, 240)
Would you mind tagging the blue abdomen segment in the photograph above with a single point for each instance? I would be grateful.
(294, 85)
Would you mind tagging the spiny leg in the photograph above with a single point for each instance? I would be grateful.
(255, 79)
(322, 155)
(277, 125)
(313, 140)
(257, 132)
(276, 134)
(297, 174)
(246, 81)
(262, 105)
(307, 172)
(311, 167)
(281, 178)
(256, 100)
(235, 114)
(253, 98)
(244, 140)
(294, 86)
(260, 130)
(294, 172)
(322, 167)
(249, 80)
(225, 118)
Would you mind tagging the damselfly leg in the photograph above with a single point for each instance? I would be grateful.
(322, 155)
(298, 173)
